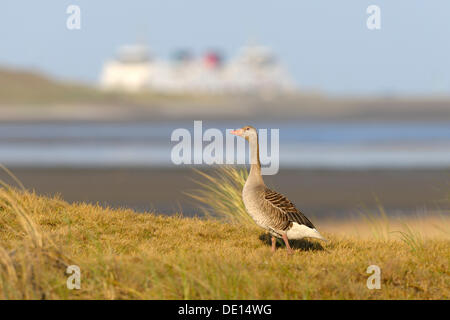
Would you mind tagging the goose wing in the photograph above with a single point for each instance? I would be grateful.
(285, 209)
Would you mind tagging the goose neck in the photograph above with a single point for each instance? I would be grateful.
(255, 165)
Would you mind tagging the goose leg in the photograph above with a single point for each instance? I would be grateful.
(288, 247)
(274, 244)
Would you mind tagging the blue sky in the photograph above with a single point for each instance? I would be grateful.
(325, 44)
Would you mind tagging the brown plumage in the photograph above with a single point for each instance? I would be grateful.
(286, 209)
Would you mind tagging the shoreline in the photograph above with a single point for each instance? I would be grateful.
(300, 107)
(320, 194)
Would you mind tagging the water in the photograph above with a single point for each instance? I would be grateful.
(302, 145)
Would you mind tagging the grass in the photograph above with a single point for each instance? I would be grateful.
(225, 187)
(126, 255)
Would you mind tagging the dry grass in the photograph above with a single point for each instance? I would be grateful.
(32, 254)
(225, 187)
(125, 255)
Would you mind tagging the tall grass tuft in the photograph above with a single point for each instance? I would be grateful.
(378, 222)
(21, 266)
(220, 194)
(412, 238)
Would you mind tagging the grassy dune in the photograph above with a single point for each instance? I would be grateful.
(24, 87)
(20, 87)
(126, 255)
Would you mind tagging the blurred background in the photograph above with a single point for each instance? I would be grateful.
(364, 115)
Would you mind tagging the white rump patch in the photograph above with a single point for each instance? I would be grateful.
(299, 231)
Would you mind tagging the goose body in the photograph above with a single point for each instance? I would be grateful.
(270, 209)
(275, 213)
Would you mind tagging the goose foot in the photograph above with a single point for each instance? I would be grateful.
(288, 247)
(274, 244)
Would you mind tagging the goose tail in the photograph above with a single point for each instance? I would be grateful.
(317, 235)
(299, 231)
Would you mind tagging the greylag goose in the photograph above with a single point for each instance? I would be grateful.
(269, 209)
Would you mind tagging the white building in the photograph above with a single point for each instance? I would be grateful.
(253, 69)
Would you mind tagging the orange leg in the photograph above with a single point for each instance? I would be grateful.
(274, 244)
(288, 247)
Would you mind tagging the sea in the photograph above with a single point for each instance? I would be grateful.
(315, 145)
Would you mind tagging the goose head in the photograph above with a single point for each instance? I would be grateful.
(247, 132)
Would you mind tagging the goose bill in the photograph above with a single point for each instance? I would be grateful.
(237, 132)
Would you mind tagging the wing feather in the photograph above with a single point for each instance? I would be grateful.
(286, 208)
